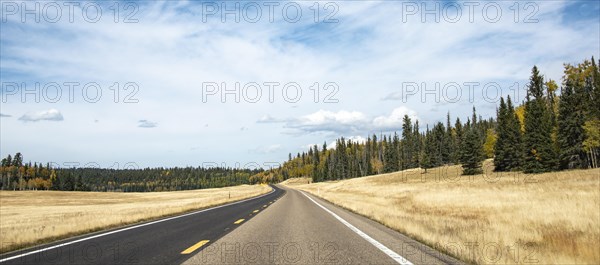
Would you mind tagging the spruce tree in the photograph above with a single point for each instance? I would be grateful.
(391, 155)
(500, 150)
(570, 129)
(471, 151)
(316, 174)
(539, 153)
(439, 144)
(514, 154)
(407, 143)
(448, 144)
(457, 139)
(429, 151)
(417, 144)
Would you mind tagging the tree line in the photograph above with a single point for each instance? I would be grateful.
(16, 175)
(546, 132)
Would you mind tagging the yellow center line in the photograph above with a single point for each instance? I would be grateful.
(255, 211)
(265, 206)
(238, 221)
(194, 247)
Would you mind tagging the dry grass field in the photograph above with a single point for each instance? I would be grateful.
(33, 217)
(494, 218)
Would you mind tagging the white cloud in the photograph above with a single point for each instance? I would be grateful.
(394, 120)
(44, 115)
(267, 149)
(355, 139)
(329, 121)
(268, 119)
(146, 124)
(349, 122)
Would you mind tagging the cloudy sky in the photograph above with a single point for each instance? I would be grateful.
(192, 83)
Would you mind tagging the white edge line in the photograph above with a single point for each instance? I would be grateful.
(395, 256)
(128, 228)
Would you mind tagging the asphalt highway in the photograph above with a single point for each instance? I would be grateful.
(166, 241)
(285, 226)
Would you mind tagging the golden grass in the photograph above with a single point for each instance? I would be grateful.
(499, 218)
(32, 217)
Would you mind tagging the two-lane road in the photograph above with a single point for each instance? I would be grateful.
(285, 226)
(302, 229)
(167, 241)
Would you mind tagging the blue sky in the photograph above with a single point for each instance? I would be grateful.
(365, 58)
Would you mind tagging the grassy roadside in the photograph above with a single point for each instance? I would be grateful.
(29, 218)
(508, 218)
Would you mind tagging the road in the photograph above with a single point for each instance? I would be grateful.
(283, 227)
(158, 242)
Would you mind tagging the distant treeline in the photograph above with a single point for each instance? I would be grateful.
(16, 175)
(547, 132)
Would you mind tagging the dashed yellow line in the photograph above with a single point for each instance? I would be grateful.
(265, 206)
(255, 211)
(238, 221)
(194, 247)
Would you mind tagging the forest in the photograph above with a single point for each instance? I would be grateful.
(548, 131)
(16, 175)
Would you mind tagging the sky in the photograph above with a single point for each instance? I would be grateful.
(161, 84)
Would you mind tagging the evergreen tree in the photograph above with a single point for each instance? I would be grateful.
(471, 151)
(501, 148)
(391, 155)
(439, 142)
(17, 160)
(514, 136)
(448, 144)
(539, 153)
(316, 175)
(417, 145)
(8, 161)
(507, 151)
(407, 143)
(457, 139)
(429, 151)
(570, 129)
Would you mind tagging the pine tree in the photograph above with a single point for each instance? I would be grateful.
(391, 155)
(440, 145)
(448, 144)
(570, 129)
(539, 153)
(417, 145)
(500, 150)
(396, 152)
(407, 143)
(514, 154)
(457, 139)
(367, 157)
(471, 151)
(508, 150)
(426, 159)
(17, 160)
(316, 174)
